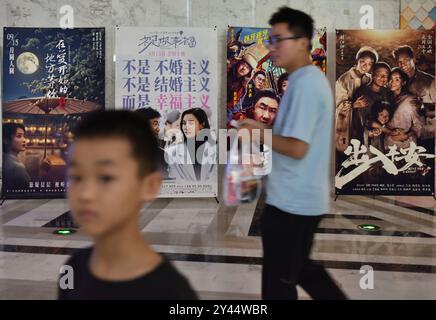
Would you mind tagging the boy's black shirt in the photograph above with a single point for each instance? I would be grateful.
(163, 283)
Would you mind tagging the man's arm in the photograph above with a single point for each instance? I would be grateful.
(290, 147)
(287, 146)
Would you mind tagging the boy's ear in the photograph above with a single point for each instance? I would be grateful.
(150, 186)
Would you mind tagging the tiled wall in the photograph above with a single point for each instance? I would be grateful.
(418, 14)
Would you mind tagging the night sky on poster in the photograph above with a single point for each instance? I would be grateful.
(86, 63)
(51, 79)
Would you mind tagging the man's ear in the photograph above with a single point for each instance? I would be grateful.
(304, 44)
(150, 186)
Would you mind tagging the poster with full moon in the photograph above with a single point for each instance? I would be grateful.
(51, 78)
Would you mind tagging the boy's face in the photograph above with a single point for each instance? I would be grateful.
(105, 191)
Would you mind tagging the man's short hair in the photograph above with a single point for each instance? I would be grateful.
(265, 94)
(9, 131)
(149, 113)
(299, 23)
(132, 126)
(403, 49)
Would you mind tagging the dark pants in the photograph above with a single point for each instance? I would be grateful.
(287, 240)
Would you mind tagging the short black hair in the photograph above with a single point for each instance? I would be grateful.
(299, 23)
(379, 65)
(132, 126)
(9, 131)
(149, 113)
(403, 49)
(265, 93)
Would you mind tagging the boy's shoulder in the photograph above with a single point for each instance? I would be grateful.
(79, 257)
(164, 282)
(177, 284)
(167, 270)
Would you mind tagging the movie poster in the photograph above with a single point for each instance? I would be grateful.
(51, 79)
(385, 108)
(254, 85)
(170, 75)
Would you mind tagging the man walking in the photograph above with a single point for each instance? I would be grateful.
(297, 191)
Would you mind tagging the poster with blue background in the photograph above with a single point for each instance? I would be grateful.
(52, 77)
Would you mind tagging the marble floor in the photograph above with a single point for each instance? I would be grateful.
(219, 249)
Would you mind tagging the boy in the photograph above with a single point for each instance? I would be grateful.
(112, 172)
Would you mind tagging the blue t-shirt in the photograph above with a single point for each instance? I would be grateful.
(305, 113)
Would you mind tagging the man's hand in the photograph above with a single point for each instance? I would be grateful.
(250, 125)
(288, 146)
